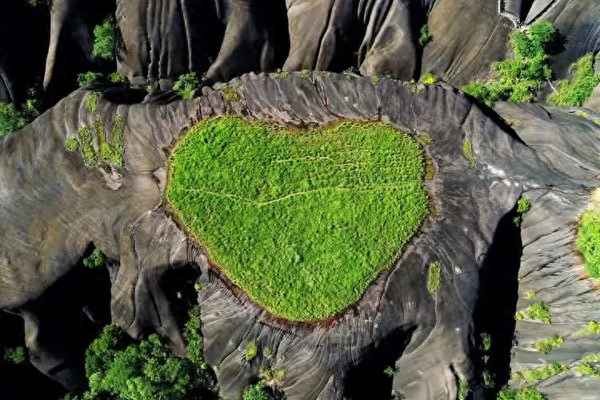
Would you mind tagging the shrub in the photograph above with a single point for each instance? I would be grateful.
(519, 79)
(105, 40)
(429, 79)
(434, 277)
(304, 204)
(89, 78)
(256, 392)
(548, 345)
(11, 119)
(91, 101)
(424, 35)
(526, 393)
(576, 90)
(538, 312)
(250, 351)
(116, 77)
(589, 366)
(462, 390)
(95, 260)
(146, 370)
(186, 85)
(16, 355)
(544, 372)
(193, 338)
(588, 242)
(523, 206)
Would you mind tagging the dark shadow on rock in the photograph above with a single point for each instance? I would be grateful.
(178, 286)
(368, 380)
(497, 301)
(124, 95)
(64, 320)
(21, 381)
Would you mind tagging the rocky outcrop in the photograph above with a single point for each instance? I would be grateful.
(397, 322)
(551, 269)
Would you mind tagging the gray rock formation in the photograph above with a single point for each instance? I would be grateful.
(428, 338)
(551, 270)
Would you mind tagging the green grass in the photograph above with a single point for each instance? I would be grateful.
(463, 389)
(592, 328)
(548, 345)
(256, 392)
(520, 78)
(575, 91)
(526, 393)
(537, 311)
(588, 242)
(534, 375)
(97, 148)
(250, 351)
(303, 221)
(434, 278)
(590, 366)
(187, 85)
(424, 35)
(468, 153)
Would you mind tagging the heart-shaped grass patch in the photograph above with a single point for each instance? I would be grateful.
(302, 221)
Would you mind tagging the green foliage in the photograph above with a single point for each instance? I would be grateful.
(486, 342)
(548, 345)
(588, 242)
(272, 377)
(95, 260)
(526, 393)
(89, 78)
(468, 153)
(519, 79)
(256, 392)
(105, 41)
(284, 212)
(230, 94)
(193, 338)
(146, 370)
(463, 390)
(592, 328)
(109, 151)
(534, 375)
(11, 119)
(575, 91)
(186, 85)
(434, 277)
(250, 351)
(590, 366)
(71, 144)
(424, 36)
(523, 206)
(389, 371)
(429, 79)
(537, 311)
(16, 355)
(116, 77)
(91, 101)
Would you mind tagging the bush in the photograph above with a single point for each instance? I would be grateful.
(548, 345)
(146, 370)
(11, 119)
(16, 355)
(105, 40)
(89, 78)
(256, 392)
(429, 79)
(424, 36)
(534, 375)
(538, 312)
(434, 278)
(588, 242)
(575, 91)
(519, 79)
(186, 85)
(95, 260)
(305, 204)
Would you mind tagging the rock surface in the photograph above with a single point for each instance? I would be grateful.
(428, 338)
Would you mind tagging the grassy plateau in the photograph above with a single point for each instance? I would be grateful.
(301, 220)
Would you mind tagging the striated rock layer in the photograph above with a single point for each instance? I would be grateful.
(53, 207)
